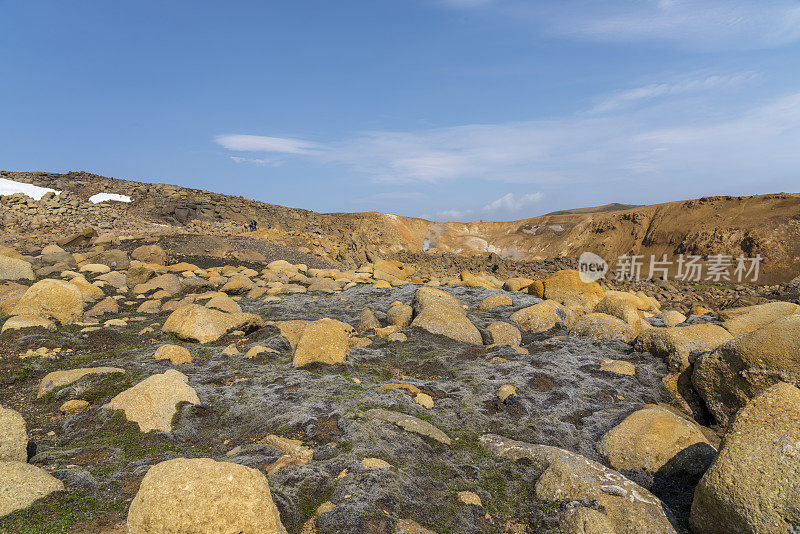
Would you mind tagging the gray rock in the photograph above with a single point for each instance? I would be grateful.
(410, 424)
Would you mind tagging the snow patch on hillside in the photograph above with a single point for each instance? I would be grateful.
(10, 187)
(103, 197)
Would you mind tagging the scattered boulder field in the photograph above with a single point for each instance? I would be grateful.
(144, 393)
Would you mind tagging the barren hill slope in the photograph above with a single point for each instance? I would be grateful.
(768, 225)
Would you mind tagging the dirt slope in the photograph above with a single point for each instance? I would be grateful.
(768, 225)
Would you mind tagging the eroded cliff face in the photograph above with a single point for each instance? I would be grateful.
(766, 225)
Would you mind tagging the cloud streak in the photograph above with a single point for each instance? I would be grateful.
(260, 143)
(630, 97)
(678, 144)
(704, 24)
(697, 24)
(453, 215)
(511, 202)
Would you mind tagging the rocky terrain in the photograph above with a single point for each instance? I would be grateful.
(163, 371)
(765, 225)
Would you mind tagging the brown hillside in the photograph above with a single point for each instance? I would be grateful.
(768, 225)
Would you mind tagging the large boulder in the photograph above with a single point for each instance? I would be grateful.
(400, 315)
(107, 305)
(114, 258)
(536, 288)
(193, 322)
(450, 323)
(291, 330)
(567, 287)
(742, 368)
(601, 326)
(57, 379)
(505, 334)
(168, 282)
(494, 301)
(517, 284)
(237, 285)
(53, 254)
(441, 313)
(95, 268)
(542, 316)
(639, 300)
(13, 436)
(326, 285)
(22, 484)
(568, 477)
(752, 485)
(324, 341)
(90, 292)
(115, 279)
(224, 303)
(672, 317)
(203, 495)
(11, 253)
(390, 270)
(367, 322)
(655, 439)
(78, 238)
(139, 275)
(759, 316)
(15, 269)
(432, 298)
(621, 308)
(10, 293)
(152, 402)
(150, 254)
(19, 322)
(483, 280)
(677, 344)
(174, 353)
(54, 299)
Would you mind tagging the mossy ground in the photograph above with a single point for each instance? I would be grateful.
(61, 513)
(323, 406)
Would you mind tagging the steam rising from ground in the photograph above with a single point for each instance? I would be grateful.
(431, 237)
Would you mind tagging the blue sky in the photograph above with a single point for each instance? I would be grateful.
(446, 109)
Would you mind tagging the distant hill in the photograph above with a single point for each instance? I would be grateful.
(765, 225)
(615, 206)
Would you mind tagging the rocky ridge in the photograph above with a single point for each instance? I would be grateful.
(765, 225)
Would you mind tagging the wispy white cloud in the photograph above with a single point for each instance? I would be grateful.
(260, 143)
(453, 215)
(681, 86)
(695, 24)
(511, 202)
(430, 156)
(677, 143)
(706, 24)
(261, 162)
